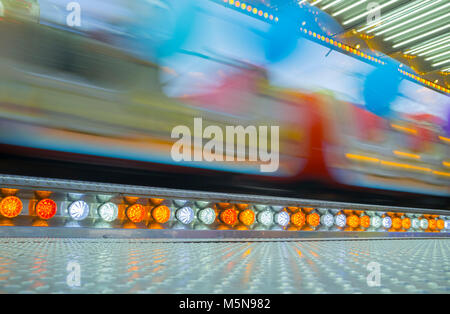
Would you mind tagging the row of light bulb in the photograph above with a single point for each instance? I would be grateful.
(265, 215)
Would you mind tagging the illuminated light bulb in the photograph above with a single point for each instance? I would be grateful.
(180, 203)
(313, 219)
(298, 219)
(185, 215)
(108, 211)
(247, 217)
(207, 216)
(353, 221)
(229, 216)
(406, 223)
(327, 220)
(11, 206)
(365, 221)
(432, 224)
(423, 224)
(415, 223)
(396, 223)
(282, 218)
(375, 221)
(440, 224)
(135, 213)
(46, 208)
(340, 220)
(447, 225)
(308, 209)
(386, 222)
(78, 210)
(265, 218)
(161, 214)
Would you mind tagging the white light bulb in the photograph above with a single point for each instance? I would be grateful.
(265, 217)
(207, 216)
(78, 210)
(108, 211)
(282, 219)
(327, 220)
(185, 215)
(386, 222)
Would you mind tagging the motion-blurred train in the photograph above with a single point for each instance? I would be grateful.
(78, 98)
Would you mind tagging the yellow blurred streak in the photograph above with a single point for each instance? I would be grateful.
(441, 173)
(404, 129)
(446, 163)
(299, 252)
(405, 166)
(445, 139)
(362, 158)
(403, 154)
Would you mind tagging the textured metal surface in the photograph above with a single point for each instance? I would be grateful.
(22, 182)
(133, 266)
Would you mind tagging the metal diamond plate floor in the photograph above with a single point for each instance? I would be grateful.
(142, 266)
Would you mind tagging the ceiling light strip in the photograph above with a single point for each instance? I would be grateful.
(412, 19)
(348, 8)
(417, 27)
(421, 36)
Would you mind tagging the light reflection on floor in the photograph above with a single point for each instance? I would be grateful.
(142, 266)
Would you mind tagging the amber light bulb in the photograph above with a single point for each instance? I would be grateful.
(406, 223)
(440, 224)
(229, 216)
(432, 224)
(353, 221)
(46, 208)
(365, 221)
(11, 206)
(396, 223)
(135, 213)
(313, 219)
(247, 217)
(161, 214)
(298, 219)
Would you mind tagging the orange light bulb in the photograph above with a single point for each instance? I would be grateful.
(135, 213)
(396, 223)
(161, 214)
(46, 208)
(247, 217)
(365, 221)
(11, 206)
(313, 219)
(229, 216)
(406, 223)
(298, 219)
(353, 221)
